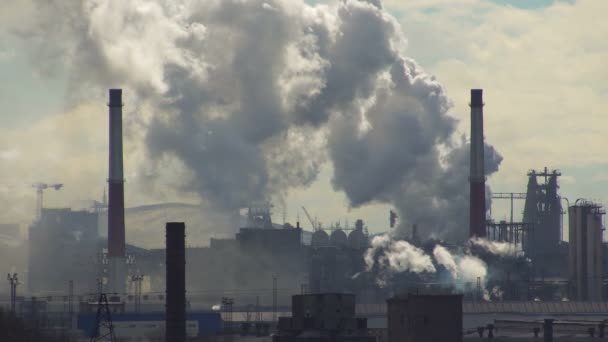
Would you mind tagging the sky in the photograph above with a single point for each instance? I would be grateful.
(541, 64)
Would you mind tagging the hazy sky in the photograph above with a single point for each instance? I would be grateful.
(542, 65)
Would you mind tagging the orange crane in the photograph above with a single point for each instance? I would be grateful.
(40, 187)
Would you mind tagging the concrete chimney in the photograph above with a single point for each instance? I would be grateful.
(175, 259)
(477, 178)
(116, 203)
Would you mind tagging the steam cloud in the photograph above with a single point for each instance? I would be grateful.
(397, 256)
(240, 101)
(497, 248)
(445, 258)
(387, 257)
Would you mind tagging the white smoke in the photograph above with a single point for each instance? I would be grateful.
(471, 268)
(387, 257)
(239, 101)
(464, 268)
(445, 258)
(503, 249)
(396, 256)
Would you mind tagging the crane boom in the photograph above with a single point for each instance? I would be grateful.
(312, 222)
(40, 187)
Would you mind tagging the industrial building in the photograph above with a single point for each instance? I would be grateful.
(63, 245)
(424, 318)
(543, 214)
(323, 317)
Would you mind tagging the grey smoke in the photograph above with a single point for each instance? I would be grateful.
(250, 98)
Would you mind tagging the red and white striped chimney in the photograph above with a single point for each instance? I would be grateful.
(116, 205)
(477, 178)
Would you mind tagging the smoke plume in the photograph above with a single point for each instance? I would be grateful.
(386, 257)
(445, 258)
(502, 249)
(239, 101)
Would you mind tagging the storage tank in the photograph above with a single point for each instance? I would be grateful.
(357, 239)
(319, 239)
(338, 238)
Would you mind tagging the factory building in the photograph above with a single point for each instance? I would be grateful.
(425, 318)
(335, 258)
(63, 246)
(323, 317)
(586, 250)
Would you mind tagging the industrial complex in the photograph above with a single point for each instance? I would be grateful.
(282, 282)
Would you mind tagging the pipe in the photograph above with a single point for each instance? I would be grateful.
(477, 204)
(176, 282)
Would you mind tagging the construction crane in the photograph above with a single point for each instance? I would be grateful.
(312, 222)
(40, 187)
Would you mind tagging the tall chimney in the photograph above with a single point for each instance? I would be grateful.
(176, 282)
(477, 178)
(116, 205)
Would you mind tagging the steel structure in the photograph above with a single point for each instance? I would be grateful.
(511, 232)
(509, 195)
(104, 330)
(137, 280)
(543, 209)
(13, 282)
(477, 179)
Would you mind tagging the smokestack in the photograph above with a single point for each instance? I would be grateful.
(176, 282)
(116, 205)
(477, 179)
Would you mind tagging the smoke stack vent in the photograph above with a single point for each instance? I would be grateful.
(477, 208)
(116, 205)
(176, 282)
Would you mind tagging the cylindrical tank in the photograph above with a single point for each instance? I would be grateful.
(357, 239)
(319, 239)
(338, 238)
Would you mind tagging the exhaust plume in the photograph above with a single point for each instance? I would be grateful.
(444, 258)
(387, 257)
(503, 249)
(240, 101)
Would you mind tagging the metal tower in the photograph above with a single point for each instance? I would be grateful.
(104, 330)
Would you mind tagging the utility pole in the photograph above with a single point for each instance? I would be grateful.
(137, 279)
(13, 281)
(258, 313)
(70, 301)
(274, 298)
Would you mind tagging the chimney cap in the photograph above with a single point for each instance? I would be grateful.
(476, 97)
(115, 98)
